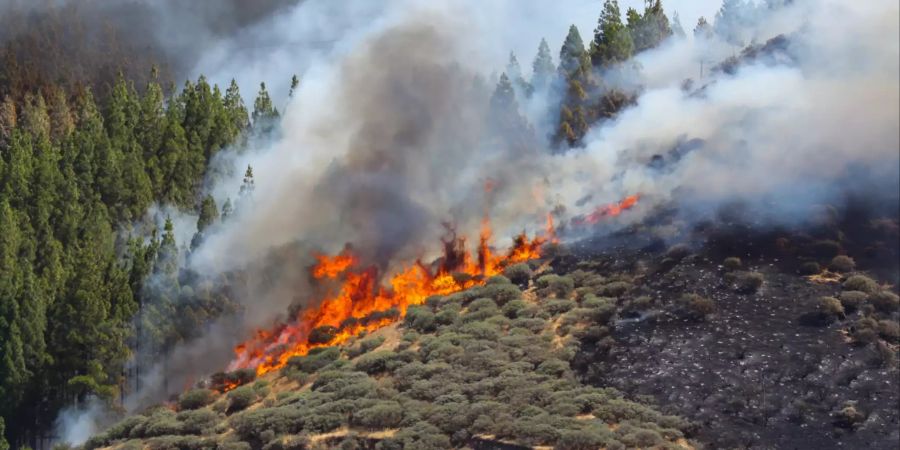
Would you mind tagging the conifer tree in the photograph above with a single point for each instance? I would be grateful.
(543, 70)
(613, 42)
(572, 55)
(265, 115)
(294, 83)
(703, 29)
(677, 28)
(249, 185)
(234, 106)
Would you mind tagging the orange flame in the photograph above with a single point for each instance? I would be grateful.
(611, 210)
(362, 304)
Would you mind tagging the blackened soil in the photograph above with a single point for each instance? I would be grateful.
(750, 375)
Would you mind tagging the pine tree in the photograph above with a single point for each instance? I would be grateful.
(543, 70)
(62, 123)
(249, 185)
(265, 115)
(677, 29)
(294, 83)
(151, 130)
(227, 209)
(572, 55)
(13, 373)
(703, 30)
(234, 106)
(612, 40)
(650, 29)
(208, 215)
(8, 120)
(731, 19)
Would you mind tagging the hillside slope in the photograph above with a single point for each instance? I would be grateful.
(485, 368)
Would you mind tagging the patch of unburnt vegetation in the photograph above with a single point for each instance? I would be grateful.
(484, 365)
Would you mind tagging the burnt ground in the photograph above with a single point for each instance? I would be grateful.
(752, 374)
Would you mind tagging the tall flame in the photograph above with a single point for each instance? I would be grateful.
(360, 303)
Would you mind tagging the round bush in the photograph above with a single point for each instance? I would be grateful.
(885, 301)
(241, 398)
(196, 398)
(518, 273)
(732, 263)
(810, 268)
(748, 282)
(842, 263)
(860, 283)
(852, 300)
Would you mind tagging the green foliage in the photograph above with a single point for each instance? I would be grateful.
(365, 346)
(613, 42)
(518, 273)
(420, 318)
(381, 415)
(240, 398)
(558, 286)
(381, 361)
(196, 398)
(314, 360)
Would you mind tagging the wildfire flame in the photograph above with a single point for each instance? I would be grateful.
(360, 303)
(610, 210)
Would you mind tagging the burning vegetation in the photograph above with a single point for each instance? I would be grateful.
(358, 303)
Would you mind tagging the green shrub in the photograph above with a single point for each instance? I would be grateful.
(201, 421)
(885, 301)
(694, 307)
(251, 425)
(240, 398)
(380, 361)
(420, 436)
(732, 263)
(420, 318)
(587, 439)
(382, 415)
(860, 283)
(614, 289)
(315, 360)
(161, 423)
(322, 335)
(512, 308)
(196, 398)
(501, 293)
(842, 263)
(553, 367)
(446, 316)
(852, 300)
(810, 268)
(498, 279)
(558, 286)
(747, 282)
(365, 346)
(556, 307)
(518, 273)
